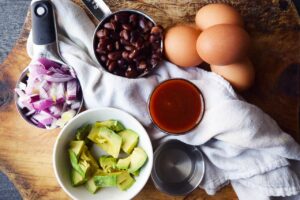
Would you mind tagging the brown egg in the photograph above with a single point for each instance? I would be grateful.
(214, 14)
(180, 45)
(240, 75)
(223, 44)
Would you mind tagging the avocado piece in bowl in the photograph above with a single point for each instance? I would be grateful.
(108, 163)
(106, 139)
(81, 159)
(129, 140)
(124, 181)
(136, 173)
(113, 125)
(77, 147)
(137, 159)
(81, 167)
(76, 178)
(82, 133)
(123, 163)
(106, 180)
(87, 156)
(91, 185)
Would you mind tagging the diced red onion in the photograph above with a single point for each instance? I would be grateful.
(30, 85)
(22, 86)
(43, 93)
(57, 70)
(34, 98)
(49, 97)
(48, 63)
(42, 104)
(45, 85)
(58, 78)
(71, 90)
(55, 111)
(72, 72)
(43, 117)
(37, 69)
(20, 93)
(60, 93)
(20, 104)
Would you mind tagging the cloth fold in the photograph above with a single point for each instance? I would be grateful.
(241, 143)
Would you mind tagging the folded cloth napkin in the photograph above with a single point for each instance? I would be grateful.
(241, 143)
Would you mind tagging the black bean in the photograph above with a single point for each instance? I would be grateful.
(110, 26)
(124, 34)
(102, 33)
(112, 66)
(127, 27)
(114, 55)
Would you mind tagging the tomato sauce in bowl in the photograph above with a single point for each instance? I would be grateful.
(176, 106)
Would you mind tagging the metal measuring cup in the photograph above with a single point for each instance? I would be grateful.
(102, 12)
(45, 44)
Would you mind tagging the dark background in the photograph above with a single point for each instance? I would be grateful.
(12, 16)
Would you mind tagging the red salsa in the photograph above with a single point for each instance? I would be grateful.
(176, 106)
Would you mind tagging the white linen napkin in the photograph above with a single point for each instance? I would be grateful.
(241, 143)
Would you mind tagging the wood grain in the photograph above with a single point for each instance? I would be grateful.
(26, 152)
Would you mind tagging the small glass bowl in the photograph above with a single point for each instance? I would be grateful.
(200, 115)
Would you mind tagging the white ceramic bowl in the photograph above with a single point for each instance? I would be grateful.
(61, 161)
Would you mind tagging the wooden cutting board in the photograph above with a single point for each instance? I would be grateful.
(26, 152)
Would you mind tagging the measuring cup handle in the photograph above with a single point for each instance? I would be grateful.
(43, 23)
(98, 8)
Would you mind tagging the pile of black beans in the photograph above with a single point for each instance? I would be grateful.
(128, 44)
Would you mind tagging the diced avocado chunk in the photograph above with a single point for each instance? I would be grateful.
(114, 125)
(77, 147)
(76, 178)
(75, 163)
(129, 140)
(84, 164)
(137, 159)
(108, 163)
(124, 181)
(91, 186)
(82, 133)
(85, 168)
(108, 180)
(87, 156)
(136, 173)
(106, 139)
(123, 163)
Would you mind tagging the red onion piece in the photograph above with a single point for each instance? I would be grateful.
(60, 93)
(43, 93)
(42, 104)
(71, 90)
(43, 117)
(58, 78)
(55, 111)
(48, 63)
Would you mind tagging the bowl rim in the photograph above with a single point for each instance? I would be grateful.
(54, 154)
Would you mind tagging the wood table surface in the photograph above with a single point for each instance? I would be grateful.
(26, 152)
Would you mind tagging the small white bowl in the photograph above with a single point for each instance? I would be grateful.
(61, 161)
